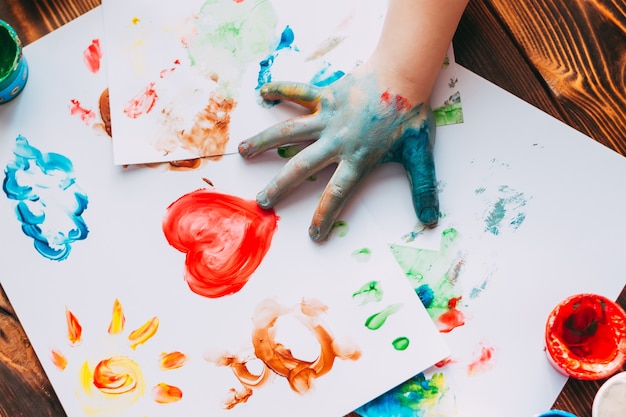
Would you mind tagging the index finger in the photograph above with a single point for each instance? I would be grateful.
(306, 95)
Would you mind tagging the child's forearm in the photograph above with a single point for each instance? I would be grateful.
(413, 44)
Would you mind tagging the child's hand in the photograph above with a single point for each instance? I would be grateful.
(358, 127)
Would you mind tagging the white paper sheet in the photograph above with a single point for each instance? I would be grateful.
(538, 211)
(202, 63)
(115, 249)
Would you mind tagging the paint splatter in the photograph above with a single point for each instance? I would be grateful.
(142, 103)
(434, 276)
(362, 255)
(50, 204)
(92, 56)
(277, 358)
(86, 115)
(340, 228)
(399, 103)
(483, 360)
(368, 293)
(111, 384)
(224, 237)
(164, 73)
(506, 209)
(418, 396)
(401, 343)
(376, 321)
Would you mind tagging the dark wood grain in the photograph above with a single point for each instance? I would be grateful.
(566, 57)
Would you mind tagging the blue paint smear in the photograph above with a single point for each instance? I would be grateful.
(326, 76)
(287, 38)
(49, 204)
(425, 294)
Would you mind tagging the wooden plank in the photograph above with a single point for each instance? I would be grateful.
(483, 45)
(579, 48)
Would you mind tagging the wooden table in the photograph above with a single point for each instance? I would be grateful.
(566, 57)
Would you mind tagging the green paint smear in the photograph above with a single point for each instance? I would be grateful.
(448, 114)
(229, 37)
(8, 52)
(368, 293)
(437, 269)
(416, 397)
(401, 343)
(376, 321)
(362, 255)
(289, 151)
(340, 228)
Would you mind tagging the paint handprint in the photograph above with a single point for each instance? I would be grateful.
(358, 127)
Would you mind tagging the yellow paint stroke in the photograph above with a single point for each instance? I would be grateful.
(143, 333)
(117, 321)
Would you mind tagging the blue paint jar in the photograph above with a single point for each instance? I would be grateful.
(13, 66)
(555, 413)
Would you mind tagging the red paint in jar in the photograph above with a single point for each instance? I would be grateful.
(586, 337)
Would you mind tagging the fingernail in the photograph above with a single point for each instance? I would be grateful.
(429, 216)
(315, 232)
(244, 148)
(262, 200)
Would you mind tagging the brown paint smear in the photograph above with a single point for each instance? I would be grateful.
(278, 359)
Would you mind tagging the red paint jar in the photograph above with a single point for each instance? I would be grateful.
(586, 337)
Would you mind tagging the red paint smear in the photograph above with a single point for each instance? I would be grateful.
(452, 318)
(92, 56)
(225, 239)
(168, 71)
(141, 103)
(399, 102)
(586, 336)
(86, 115)
(483, 362)
(444, 362)
(238, 1)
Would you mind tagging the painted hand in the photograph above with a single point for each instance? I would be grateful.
(356, 127)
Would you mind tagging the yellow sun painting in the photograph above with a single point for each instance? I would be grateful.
(114, 381)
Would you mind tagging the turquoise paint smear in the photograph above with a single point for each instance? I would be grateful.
(286, 41)
(326, 76)
(434, 275)
(506, 212)
(417, 397)
(49, 204)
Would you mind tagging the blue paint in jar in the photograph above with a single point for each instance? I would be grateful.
(13, 65)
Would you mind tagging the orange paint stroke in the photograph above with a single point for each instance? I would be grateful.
(117, 321)
(74, 329)
(172, 360)
(114, 375)
(59, 360)
(166, 394)
(299, 373)
(143, 333)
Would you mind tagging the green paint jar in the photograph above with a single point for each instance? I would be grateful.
(13, 66)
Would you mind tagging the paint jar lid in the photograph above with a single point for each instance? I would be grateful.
(556, 413)
(585, 337)
(610, 400)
